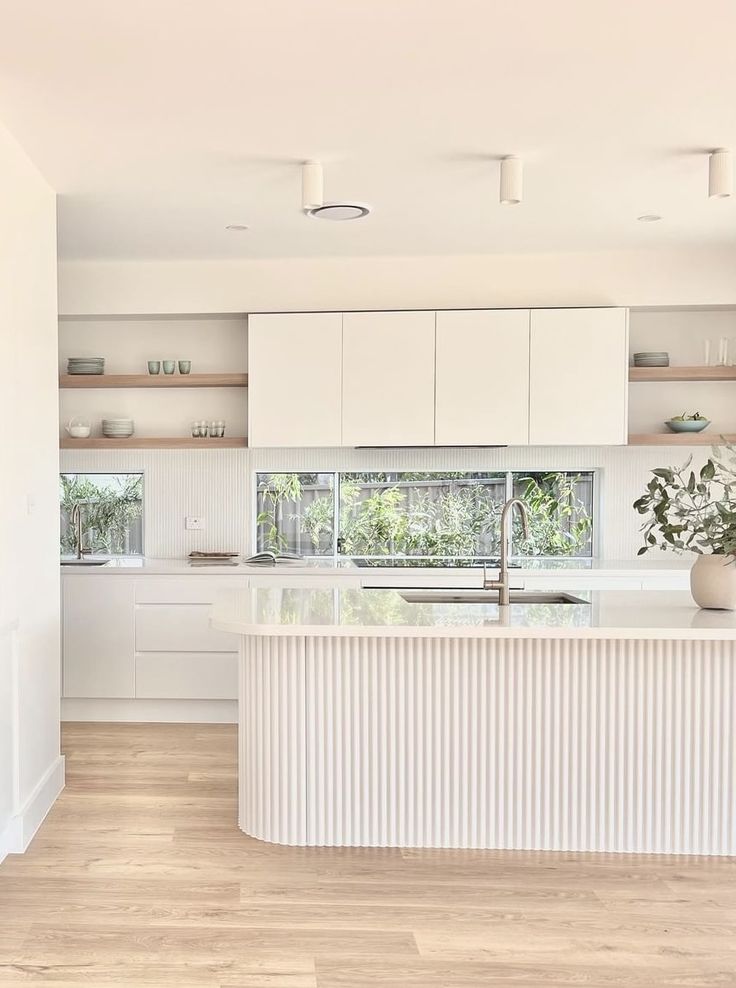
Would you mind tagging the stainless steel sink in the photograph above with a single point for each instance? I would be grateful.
(489, 597)
(84, 562)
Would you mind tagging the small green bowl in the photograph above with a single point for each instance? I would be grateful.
(691, 425)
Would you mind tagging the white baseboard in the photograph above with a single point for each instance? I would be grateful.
(22, 827)
(151, 711)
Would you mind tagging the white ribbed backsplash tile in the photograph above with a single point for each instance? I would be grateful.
(212, 484)
(218, 484)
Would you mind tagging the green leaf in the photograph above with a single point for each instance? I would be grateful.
(708, 471)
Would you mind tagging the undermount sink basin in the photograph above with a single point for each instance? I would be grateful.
(489, 597)
(84, 562)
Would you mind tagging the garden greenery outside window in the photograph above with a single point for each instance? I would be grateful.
(436, 516)
(111, 509)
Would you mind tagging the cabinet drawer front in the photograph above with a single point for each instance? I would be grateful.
(186, 589)
(179, 628)
(186, 676)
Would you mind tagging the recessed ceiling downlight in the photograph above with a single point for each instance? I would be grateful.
(339, 211)
(649, 218)
(238, 227)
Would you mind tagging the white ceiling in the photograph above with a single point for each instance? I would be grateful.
(161, 121)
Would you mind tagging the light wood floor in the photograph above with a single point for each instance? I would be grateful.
(140, 878)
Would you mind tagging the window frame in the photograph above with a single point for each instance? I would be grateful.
(336, 557)
(115, 473)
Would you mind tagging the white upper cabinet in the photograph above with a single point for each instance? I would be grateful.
(294, 379)
(482, 393)
(545, 377)
(578, 390)
(388, 379)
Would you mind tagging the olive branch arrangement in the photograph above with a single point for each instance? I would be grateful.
(689, 511)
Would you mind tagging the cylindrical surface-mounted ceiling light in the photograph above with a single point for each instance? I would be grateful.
(312, 185)
(511, 181)
(720, 174)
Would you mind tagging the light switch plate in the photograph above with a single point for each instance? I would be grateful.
(194, 523)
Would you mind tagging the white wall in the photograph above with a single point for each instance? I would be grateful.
(31, 772)
(634, 278)
(218, 485)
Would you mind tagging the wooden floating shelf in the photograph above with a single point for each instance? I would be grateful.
(153, 381)
(147, 442)
(682, 439)
(664, 374)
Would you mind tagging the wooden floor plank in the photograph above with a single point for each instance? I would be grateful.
(140, 877)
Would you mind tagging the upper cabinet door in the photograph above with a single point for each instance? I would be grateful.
(388, 379)
(579, 377)
(482, 378)
(294, 374)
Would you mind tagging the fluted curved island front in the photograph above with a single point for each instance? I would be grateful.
(368, 720)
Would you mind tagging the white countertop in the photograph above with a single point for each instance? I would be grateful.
(151, 566)
(341, 612)
(147, 565)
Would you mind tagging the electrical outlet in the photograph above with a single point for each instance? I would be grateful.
(194, 524)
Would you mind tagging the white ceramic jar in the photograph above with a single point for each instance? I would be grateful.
(713, 582)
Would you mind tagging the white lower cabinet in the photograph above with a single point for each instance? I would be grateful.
(178, 655)
(99, 636)
(144, 638)
(179, 628)
(186, 676)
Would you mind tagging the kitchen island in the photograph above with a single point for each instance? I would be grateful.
(369, 720)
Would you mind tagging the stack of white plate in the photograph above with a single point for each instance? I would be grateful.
(652, 358)
(85, 365)
(118, 428)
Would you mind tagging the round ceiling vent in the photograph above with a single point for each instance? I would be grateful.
(340, 211)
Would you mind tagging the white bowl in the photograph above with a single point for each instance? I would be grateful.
(79, 431)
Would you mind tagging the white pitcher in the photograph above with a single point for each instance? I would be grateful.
(78, 429)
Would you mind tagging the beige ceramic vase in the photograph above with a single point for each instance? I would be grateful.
(713, 582)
